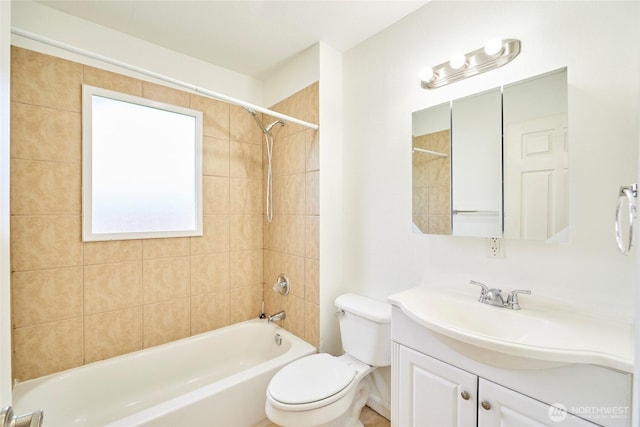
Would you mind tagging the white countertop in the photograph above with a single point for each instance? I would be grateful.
(541, 330)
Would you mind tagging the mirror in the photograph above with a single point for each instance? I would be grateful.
(432, 170)
(536, 159)
(495, 164)
(476, 165)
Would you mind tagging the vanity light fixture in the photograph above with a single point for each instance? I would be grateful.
(458, 61)
(494, 54)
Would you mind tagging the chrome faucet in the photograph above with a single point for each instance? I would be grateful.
(494, 297)
(277, 316)
(512, 299)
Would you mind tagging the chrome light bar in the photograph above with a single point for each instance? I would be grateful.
(494, 55)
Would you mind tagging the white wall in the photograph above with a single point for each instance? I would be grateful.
(331, 188)
(292, 76)
(5, 275)
(382, 88)
(636, 377)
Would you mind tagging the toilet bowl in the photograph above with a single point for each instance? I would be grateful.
(330, 391)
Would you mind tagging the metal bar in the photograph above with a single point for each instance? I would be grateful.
(188, 86)
(473, 212)
(422, 150)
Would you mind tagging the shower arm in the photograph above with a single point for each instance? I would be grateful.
(266, 130)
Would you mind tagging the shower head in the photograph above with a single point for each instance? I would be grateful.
(268, 128)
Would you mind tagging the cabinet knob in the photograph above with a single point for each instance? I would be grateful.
(465, 395)
(486, 405)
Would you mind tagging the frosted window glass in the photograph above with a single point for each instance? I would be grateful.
(142, 161)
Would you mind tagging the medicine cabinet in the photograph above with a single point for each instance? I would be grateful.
(495, 164)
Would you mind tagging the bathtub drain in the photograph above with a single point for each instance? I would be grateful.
(278, 339)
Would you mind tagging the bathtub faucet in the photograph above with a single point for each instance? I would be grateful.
(278, 316)
(33, 419)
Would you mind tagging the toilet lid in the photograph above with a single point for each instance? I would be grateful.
(310, 379)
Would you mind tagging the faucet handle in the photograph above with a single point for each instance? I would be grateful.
(282, 285)
(484, 287)
(512, 298)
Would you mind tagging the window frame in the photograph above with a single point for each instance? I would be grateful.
(88, 232)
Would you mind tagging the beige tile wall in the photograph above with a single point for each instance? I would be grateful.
(75, 303)
(432, 183)
(292, 239)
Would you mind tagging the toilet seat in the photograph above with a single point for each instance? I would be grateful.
(311, 382)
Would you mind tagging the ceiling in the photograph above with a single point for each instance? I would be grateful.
(249, 37)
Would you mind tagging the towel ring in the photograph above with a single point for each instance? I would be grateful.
(629, 194)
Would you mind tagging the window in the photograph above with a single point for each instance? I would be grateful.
(141, 168)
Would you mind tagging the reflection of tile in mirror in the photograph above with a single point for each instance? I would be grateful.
(421, 201)
(431, 183)
(439, 224)
(439, 201)
(422, 222)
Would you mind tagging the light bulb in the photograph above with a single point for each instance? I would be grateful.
(426, 74)
(493, 47)
(457, 61)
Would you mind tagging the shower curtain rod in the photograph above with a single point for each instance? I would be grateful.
(193, 88)
(436, 153)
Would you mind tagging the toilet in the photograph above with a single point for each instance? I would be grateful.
(324, 390)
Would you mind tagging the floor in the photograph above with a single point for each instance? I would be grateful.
(369, 418)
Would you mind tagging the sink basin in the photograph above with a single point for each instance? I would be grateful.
(542, 333)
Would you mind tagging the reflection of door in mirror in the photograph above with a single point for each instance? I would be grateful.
(477, 165)
(431, 166)
(536, 159)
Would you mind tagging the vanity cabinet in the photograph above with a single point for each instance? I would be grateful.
(434, 393)
(441, 382)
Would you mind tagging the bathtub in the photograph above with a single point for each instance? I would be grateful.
(217, 378)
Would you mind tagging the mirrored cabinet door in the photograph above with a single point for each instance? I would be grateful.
(536, 159)
(432, 170)
(476, 165)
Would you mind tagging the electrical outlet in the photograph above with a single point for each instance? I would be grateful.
(495, 247)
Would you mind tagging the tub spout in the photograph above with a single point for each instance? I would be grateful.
(7, 419)
(278, 316)
(33, 419)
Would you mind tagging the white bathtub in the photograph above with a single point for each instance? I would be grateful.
(218, 378)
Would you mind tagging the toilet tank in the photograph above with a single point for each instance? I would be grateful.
(365, 328)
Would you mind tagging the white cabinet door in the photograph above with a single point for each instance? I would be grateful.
(501, 407)
(432, 393)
